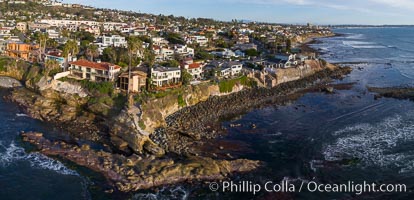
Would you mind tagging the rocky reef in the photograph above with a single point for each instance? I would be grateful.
(154, 141)
(193, 125)
(141, 172)
(393, 92)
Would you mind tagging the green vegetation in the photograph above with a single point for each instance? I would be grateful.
(141, 124)
(252, 52)
(175, 38)
(227, 85)
(101, 87)
(181, 101)
(186, 77)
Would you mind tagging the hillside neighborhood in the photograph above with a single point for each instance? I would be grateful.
(100, 45)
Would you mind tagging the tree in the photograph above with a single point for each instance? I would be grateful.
(70, 49)
(186, 77)
(251, 52)
(134, 48)
(52, 43)
(51, 67)
(110, 54)
(288, 45)
(92, 52)
(42, 39)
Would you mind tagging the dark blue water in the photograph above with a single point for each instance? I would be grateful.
(300, 141)
(32, 175)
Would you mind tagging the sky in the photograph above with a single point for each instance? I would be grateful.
(373, 12)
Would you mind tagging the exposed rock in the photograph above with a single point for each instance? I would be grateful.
(199, 122)
(131, 174)
(7, 82)
(125, 130)
(394, 92)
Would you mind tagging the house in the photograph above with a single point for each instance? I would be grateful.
(114, 40)
(195, 69)
(243, 39)
(244, 47)
(140, 31)
(184, 50)
(232, 68)
(56, 56)
(20, 50)
(36, 27)
(199, 39)
(165, 76)
(289, 60)
(136, 83)
(159, 41)
(21, 26)
(226, 53)
(94, 71)
(162, 54)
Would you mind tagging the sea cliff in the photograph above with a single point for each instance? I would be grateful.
(151, 141)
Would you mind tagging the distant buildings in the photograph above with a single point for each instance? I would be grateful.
(114, 40)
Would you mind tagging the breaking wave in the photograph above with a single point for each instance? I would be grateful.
(164, 194)
(376, 144)
(13, 153)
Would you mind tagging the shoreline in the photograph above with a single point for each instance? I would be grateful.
(196, 124)
(183, 166)
(126, 181)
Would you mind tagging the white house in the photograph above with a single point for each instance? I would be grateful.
(159, 41)
(164, 76)
(226, 53)
(184, 50)
(114, 40)
(195, 69)
(94, 71)
(231, 69)
(199, 39)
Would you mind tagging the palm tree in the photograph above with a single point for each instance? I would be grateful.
(134, 48)
(50, 65)
(92, 52)
(42, 39)
(71, 48)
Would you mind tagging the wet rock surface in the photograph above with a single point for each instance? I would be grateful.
(61, 109)
(191, 126)
(394, 92)
(141, 172)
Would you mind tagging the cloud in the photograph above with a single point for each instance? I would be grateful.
(405, 4)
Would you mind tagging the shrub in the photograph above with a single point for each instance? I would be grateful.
(101, 87)
(181, 101)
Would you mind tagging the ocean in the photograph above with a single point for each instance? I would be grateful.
(327, 138)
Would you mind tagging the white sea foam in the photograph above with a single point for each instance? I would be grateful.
(375, 144)
(355, 36)
(21, 115)
(369, 47)
(362, 45)
(165, 193)
(352, 42)
(14, 153)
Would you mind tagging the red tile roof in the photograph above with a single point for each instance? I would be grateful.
(94, 65)
(194, 65)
